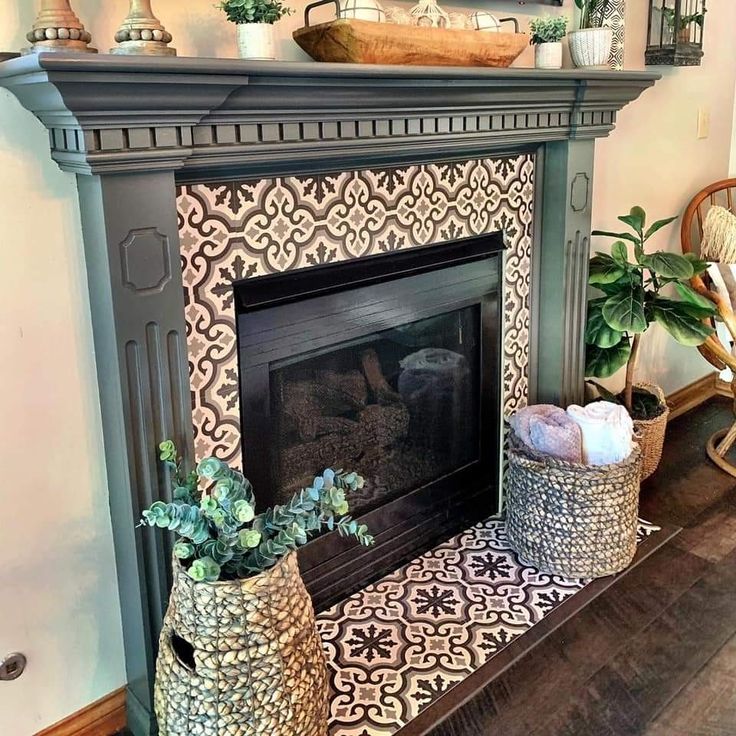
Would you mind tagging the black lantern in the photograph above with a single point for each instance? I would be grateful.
(675, 35)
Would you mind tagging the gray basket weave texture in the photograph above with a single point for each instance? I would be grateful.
(258, 664)
(573, 520)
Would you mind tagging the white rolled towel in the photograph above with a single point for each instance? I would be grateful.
(607, 429)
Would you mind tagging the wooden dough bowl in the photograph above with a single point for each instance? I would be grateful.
(365, 42)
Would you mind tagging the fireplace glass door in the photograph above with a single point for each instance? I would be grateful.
(400, 406)
(389, 367)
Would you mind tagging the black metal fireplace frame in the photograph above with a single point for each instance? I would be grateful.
(468, 272)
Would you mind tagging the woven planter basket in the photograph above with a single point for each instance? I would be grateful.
(258, 668)
(650, 433)
(578, 521)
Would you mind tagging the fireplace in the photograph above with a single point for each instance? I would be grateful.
(239, 169)
(390, 366)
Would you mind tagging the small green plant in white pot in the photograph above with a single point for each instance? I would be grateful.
(590, 45)
(254, 21)
(547, 33)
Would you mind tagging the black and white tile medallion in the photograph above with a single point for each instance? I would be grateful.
(403, 642)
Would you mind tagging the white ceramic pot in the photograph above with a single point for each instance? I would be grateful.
(590, 46)
(256, 41)
(548, 55)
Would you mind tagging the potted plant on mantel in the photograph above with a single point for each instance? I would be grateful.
(591, 44)
(239, 651)
(547, 33)
(633, 298)
(254, 21)
(682, 33)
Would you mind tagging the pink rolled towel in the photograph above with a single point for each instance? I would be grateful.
(548, 429)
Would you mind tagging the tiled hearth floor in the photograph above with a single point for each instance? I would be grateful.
(400, 644)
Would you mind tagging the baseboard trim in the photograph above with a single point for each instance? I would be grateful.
(694, 394)
(104, 717)
(723, 388)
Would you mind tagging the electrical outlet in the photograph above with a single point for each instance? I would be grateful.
(703, 122)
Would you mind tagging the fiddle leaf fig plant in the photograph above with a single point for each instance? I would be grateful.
(633, 296)
(219, 535)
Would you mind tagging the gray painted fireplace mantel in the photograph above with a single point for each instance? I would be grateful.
(131, 128)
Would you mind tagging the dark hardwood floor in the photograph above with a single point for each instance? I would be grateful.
(655, 654)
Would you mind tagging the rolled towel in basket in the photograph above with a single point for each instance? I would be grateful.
(607, 432)
(549, 430)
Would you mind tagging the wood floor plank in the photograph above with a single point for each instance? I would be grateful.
(687, 483)
(515, 702)
(707, 705)
(654, 655)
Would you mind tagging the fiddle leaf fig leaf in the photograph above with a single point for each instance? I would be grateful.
(676, 318)
(669, 265)
(636, 219)
(699, 266)
(624, 311)
(597, 331)
(620, 253)
(658, 225)
(690, 296)
(604, 362)
(604, 270)
(619, 236)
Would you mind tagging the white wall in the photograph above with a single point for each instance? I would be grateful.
(57, 572)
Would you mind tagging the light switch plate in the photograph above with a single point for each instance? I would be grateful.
(703, 122)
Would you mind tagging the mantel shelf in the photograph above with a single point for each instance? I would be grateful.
(124, 113)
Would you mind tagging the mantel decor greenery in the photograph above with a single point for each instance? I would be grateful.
(635, 293)
(239, 652)
(590, 45)
(254, 21)
(675, 32)
(547, 33)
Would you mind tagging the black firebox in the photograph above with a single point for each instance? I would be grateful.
(389, 366)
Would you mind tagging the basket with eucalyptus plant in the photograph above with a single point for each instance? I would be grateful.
(239, 653)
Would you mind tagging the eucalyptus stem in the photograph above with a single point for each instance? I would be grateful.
(630, 372)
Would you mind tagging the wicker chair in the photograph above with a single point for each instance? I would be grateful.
(721, 356)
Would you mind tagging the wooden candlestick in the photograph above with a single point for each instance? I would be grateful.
(142, 33)
(57, 28)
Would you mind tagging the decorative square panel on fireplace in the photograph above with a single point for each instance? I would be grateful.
(234, 230)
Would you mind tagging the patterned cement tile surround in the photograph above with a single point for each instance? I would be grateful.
(401, 643)
(232, 230)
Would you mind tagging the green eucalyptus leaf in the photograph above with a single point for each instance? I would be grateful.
(604, 270)
(624, 311)
(676, 318)
(604, 362)
(669, 265)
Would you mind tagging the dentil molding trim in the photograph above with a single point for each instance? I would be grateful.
(115, 114)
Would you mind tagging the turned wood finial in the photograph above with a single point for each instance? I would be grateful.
(57, 28)
(142, 33)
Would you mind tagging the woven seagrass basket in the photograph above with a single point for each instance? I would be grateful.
(574, 520)
(650, 433)
(241, 658)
